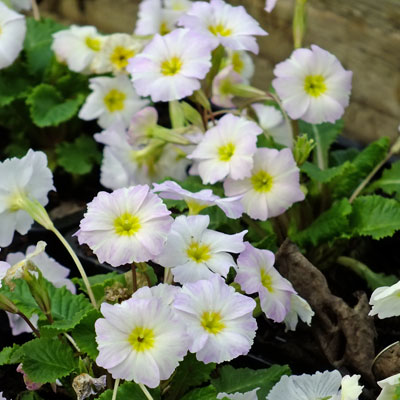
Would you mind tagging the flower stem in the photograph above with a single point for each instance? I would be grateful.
(35, 9)
(26, 319)
(299, 23)
(145, 391)
(115, 390)
(77, 263)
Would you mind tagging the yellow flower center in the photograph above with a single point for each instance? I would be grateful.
(120, 56)
(142, 339)
(198, 252)
(226, 152)
(164, 28)
(237, 62)
(195, 207)
(314, 85)
(266, 281)
(115, 100)
(126, 224)
(219, 29)
(171, 66)
(211, 321)
(262, 181)
(93, 43)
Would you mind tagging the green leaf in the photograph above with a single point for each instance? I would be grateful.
(85, 335)
(130, 391)
(7, 355)
(329, 225)
(14, 83)
(243, 380)
(320, 175)
(375, 216)
(67, 310)
(29, 396)
(79, 156)
(38, 42)
(48, 359)
(390, 180)
(48, 107)
(344, 184)
(189, 373)
(206, 393)
(339, 157)
(192, 115)
(324, 135)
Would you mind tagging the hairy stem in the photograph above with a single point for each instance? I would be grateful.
(145, 391)
(26, 319)
(115, 390)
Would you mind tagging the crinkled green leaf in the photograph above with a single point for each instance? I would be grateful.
(375, 216)
(206, 393)
(85, 336)
(49, 108)
(189, 373)
(390, 180)
(243, 380)
(14, 83)
(48, 359)
(331, 224)
(38, 42)
(339, 157)
(7, 355)
(344, 184)
(321, 175)
(130, 391)
(67, 310)
(79, 156)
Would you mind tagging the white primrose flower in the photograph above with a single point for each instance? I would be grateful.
(112, 100)
(270, 5)
(313, 85)
(77, 46)
(274, 184)
(12, 35)
(227, 149)
(385, 301)
(223, 24)
(198, 201)
(171, 66)
(218, 320)
(194, 252)
(272, 122)
(241, 63)
(20, 179)
(390, 387)
(21, 5)
(222, 83)
(141, 340)
(153, 18)
(115, 52)
(252, 395)
(299, 308)
(163, 291)
(1, 396)
(256, 274)
(325, 385)
(125, 226)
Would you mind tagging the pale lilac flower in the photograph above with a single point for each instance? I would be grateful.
(4, 266)
(77, 46)
(194, 252)
(12, 29)
(142, 124)
(256, 274)
(198, 201)
(219, 320)
(153, 18)
(125, 226)
(241, 63)
(113, 100)
(223, 24)
(163, 291)
(299, 308)
(1, 396)
(274, 184)
(28, 177)
(272, 122)
(30, 385)
(141, 340)
(171, 66)
(221, 87)
(270, 5)
(251, 395)
(325, 385)
(227, 149)
(389, 387)
(313, 85)
(115, 52)
(385, 301)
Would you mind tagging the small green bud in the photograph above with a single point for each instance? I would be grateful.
(242, 90)
(7, 305)
(302, 149)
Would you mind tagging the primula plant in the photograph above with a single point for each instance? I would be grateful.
(222, 214)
